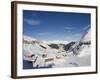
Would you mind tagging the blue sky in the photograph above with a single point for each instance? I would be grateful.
(43, 25)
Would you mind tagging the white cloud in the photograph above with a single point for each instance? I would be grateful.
(68, 28)
(32, 22)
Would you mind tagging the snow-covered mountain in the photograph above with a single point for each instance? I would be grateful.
(27, 38)
(43, 53)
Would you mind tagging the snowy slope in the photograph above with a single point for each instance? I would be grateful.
(81, 44)
(87, 37)
(27, 38)
(42, 55)
(83, 57)
(85, 48)
(83, 51)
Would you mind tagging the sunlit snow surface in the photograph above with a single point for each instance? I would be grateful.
(54, 58)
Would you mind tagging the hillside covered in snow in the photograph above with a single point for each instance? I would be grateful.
(42, 54)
